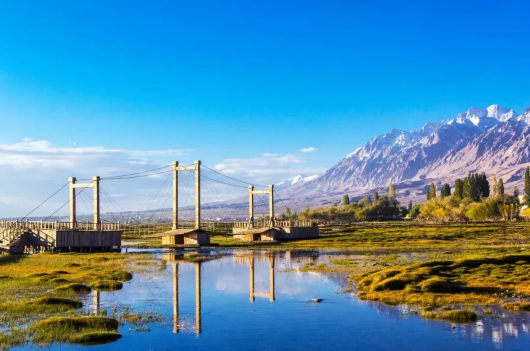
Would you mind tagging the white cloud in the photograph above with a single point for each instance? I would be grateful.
(33, 169)
(309, 149)
(267, 168)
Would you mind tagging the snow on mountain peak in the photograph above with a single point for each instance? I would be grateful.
(525, 116)
(474, 115)
(296, 180)
(354, 152)
(500, 113)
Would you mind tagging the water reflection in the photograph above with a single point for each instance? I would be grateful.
(95, 302)
(221, 283)
(175, 261)
(253, 293)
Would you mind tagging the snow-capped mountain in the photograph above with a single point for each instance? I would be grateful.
(295, 181)
(495, 140)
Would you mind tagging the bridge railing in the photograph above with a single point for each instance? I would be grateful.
(41, 225)
(283, 224)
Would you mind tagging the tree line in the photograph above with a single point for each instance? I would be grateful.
(474, 197)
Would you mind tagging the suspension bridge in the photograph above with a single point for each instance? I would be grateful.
(173, 212)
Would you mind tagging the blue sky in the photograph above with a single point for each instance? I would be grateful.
(229, 81)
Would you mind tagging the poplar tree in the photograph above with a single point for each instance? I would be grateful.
(391, 191)
(345, 200)
(431, 194)
(445, 191)
(484, 185)
(493, 187)
(375, 197)
(459, 189)
(527, 185)
(500, 188)
(467, 189)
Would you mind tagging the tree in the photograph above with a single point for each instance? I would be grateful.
(445, 191)
(527, 186)
(500, 188)
(364, 202)
(391, 191)
(516, 193)
(410, 206)
(493, 187)
(459, 189)
(431, 194)
(345, 200)
(484, 186)
(375, 197)
(466, 189)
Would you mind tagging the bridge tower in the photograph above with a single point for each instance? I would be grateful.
(176, 169)
(96, 202)
(251, 193)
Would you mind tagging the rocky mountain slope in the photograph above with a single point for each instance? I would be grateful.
(495, 140)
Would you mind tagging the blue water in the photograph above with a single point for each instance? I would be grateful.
(231, 321)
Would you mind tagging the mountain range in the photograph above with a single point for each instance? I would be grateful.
(495, 140)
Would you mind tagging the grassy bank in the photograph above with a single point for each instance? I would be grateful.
(35, 288)
(440, 284)
(390, 236)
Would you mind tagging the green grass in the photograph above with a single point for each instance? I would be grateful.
(76, 287)
(107, 285)
(40, 305)
(468, 280)
(517, 306)
(36, 287)
(70, 329)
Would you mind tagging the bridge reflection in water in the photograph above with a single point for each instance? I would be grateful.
(176, 321)
(175, 261)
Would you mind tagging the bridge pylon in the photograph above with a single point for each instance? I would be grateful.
(96, 201)
(251, 193)
(176, 169)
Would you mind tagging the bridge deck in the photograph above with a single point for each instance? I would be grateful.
(18, 237)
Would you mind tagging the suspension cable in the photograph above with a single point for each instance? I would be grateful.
(237, 180)
(123, 176)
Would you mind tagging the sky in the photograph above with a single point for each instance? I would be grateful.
(262, 90)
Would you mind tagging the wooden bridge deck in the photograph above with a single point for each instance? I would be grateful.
(19, 237)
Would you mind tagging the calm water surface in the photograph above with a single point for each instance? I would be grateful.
(232, 313)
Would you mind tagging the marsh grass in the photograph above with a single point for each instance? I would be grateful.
(70, 329)
(138, 319)
(45, 304)
(468, 280)
(107, 285)
(456, 316)
(13, 337)
(75, 287)
(36, 287)
(517, 306)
